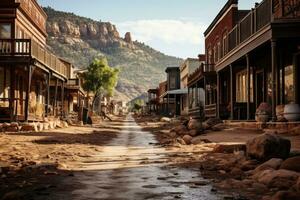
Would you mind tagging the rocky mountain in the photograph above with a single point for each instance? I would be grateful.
(80, 40)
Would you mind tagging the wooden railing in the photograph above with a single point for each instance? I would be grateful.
(27, 47)
(73, 82)
(256, 19)
(208, 67)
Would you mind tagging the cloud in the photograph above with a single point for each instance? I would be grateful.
(167, 31)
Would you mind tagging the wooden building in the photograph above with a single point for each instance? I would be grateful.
(32, 79)
(256, 55)
(153, 100)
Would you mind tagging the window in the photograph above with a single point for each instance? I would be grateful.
(4, 87)
(224, 44)
(172, 82)
(241, 86)
(215, 54)
(289, 84)
(5, 31)
(219, 51)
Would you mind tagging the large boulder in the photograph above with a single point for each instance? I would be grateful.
(292, 164)
(298, 185)
(281, 179)
(208, 124)
(267, 146)
(199, 140)
(30, 127)
(194, 124)
(273, 163)
(180, 130)
(229, 148)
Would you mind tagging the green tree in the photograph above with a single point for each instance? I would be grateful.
(100, 78)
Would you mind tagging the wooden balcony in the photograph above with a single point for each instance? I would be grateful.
(31, 49)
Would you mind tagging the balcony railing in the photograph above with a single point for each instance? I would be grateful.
(73, 82)
(256, 20)
(208, 68)
(27, 47)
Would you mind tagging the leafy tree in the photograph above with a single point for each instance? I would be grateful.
(100, 78)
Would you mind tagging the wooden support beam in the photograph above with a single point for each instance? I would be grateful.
(12, 93)
(248, 86)
(274, 69)
(55, 98)
(231, 93)
(218, 95)
(29, 76)
(62, 97)
(48, 94)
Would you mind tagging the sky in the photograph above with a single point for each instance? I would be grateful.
(174, 27)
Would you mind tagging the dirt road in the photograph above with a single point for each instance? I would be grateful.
(131, 167)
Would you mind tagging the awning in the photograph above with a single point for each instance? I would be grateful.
(175, 92)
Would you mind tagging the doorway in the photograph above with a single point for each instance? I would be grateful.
(260, 88)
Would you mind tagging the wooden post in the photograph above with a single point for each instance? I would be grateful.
(62, 97)
(218, 95)
(29, 76)
(248, 86)
(231, 94)
(168, 104)
(12, 93)
(205, 95)
(274, 69)
(48, 93)
(55, 98)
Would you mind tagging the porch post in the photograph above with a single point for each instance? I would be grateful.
(248, 86)
(274, 69)
(218, 95)
(12, 93)
(29, 75)
(48, 93)
(55, 98)
(62, 97)
(231, 93)
(168, 104)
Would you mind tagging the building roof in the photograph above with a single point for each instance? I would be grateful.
(177, 92)
(172, 69)
(220, 14)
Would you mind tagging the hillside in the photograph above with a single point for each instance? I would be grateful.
(80, 40)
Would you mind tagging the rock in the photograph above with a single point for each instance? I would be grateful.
(40, 126)
(11, 128)
(46, 126)
(248, 165)
(199, 140)
(51, 125)
(172, 134)
(194, 124)
(193, 133)
(59, 124)
(165, 119)
(29, 127)
(187, 139)
(292, 164)
(180, 141)
(128, 38)
(208, 124)
(282, 179)
(229, 148)
(286, 195)
(273, 163)
(267, 146)
(180, 130)
(65, 124)
(298, 185)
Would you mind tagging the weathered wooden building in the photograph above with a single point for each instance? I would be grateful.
(256, 55)
(32, 79)
(153, 100)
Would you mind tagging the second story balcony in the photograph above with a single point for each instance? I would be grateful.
(28, 48)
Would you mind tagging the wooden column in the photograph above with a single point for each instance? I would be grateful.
(231, 94)
(218, 94)
(248, 86)
(12, 93)
(48, 94)
(55, 98)
(29, 76)
(168, 104)
(274, 69)
(62, 97)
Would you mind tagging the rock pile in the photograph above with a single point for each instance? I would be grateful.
(263, 169)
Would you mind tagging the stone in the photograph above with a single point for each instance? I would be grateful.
(46, 126)
(40, 126)
(128, 38)
(194, 124)
(187, 139)
(13, 127)
(165, 119)
(286, 195)
(172, 134)
(267, 146)
(292, 164)
(194, 133)
(248, 165)
(298, 185)
(273, 163)
(59, 124)
(208, 124)
(229, 148)
(199, 140)
(180, 141)
(65, 124)
(30, 127)
(51, 125)
(180, 130)
(281, 179)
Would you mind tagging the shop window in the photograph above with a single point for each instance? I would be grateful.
(172, 82)
(289, 84)
(5, 31)
(241, 86)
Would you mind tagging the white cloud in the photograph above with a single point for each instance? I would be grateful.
(184, 33)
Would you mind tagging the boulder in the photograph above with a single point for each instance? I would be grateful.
(286, 195)
(298, 185)
(292, 164)
(46, 126)
(208, 124)
(281, 179)
(30, 127)
(187, 139)
(180, 130)
(180, 141)
(51, 125)
(248, 165)
(172, 134)
(229, 148)
(194, 124)
(65, 124)
(273, 163)
(199, 140)
(13, 127)
(165, 119)
(267, 146)
(194, 133)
